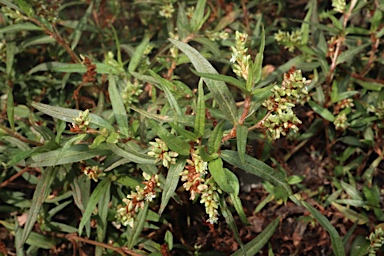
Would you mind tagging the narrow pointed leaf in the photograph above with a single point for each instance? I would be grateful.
(219, 77)
(40, 194)
(102, 221)
(231, 223)
(258, 65)
(118, 106)
(255, 245)
(93, 200)
(165, 86)
(218, 89)
(234, 183)
(173, 142)
(349, 54)
(81, 26)
(256, 167)
(138, 54)
(138, 226)
(241, 139)
(73, 154)
(217, 171)
(171, 182)
(184, 133)
(337, 243)
(200, 111)
(131, 154)
(67, 115)
(10, 109)
(214, 140)
(323, 112)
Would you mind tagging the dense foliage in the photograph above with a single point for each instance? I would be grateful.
(139, 127)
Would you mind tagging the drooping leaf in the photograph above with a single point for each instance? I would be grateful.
(337, 244)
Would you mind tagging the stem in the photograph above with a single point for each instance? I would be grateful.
(19, 137)
(5, 183)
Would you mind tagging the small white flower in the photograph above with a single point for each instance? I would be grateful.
(233, 59)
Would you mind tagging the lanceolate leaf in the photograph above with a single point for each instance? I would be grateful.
(118, 106)
(138, 226)
(73, 154)
(254, 246)
(241, 138)
(41, 193)
(184, 133)
(131, 154)
(214, 140)
(218, 89)
(337, 243)
(200, 111)
(228, 79)
(217, 171)
(138, 55)
(257, 168)
(93, 200)
(171, 182)
(231, 223)
(67, 115)
(325, 113)
(174, 143)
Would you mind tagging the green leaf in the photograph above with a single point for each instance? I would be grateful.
(219, 77)
(67, 115)
(102, 221)
(231, 223)
(41, 193)
(241, 139)
(256, 167)
(159, 118)
(255, 245)
(138, 54)
(200, 111)
(234, 183)
(197, 19)
(169, 239)
(80, 26)
(323, 112)
(350, 54)
(165, 86)
(257, 66)
(214, 141)
(218, 89)
(10, 109)
(184, 133)
(55, 66)
(118, 106)
(337, 243)
(73, 154)
(171, 182)
(351, 214)
(26, 7)
(217, 171)
(20, 27)
(93, 200)
(138, 226)
(173, 142)
(131, 154)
